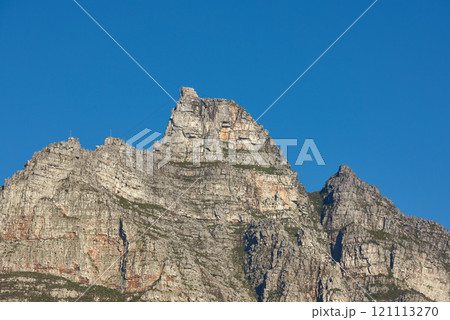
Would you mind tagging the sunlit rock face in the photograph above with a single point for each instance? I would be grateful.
(236, 227)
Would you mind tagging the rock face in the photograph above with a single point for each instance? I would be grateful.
(371, 238)
(237, 226)
(220, 130)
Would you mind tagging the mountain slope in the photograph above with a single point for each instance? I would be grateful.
(371, 237)
(233, 228)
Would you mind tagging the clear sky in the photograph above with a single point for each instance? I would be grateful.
(378, 101)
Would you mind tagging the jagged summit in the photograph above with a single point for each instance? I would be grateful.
(359, 217)
(345, 170)
(187, 92)
(347, 181)
(219, 124)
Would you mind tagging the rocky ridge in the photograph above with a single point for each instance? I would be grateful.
(235, 227)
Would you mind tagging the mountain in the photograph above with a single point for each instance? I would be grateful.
(185, 222)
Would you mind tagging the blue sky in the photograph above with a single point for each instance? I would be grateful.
(377, 101)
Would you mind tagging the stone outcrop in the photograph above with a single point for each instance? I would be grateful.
(234, 227)
(371, 238)
(220, 130)
(185, 92)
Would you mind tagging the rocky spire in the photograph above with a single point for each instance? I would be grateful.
(345, 170)
(187, 92)
(220, 122)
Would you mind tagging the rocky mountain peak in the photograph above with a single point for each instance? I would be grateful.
(347, 180)
(346, 185)
(366, 226)
(345, 170)
(187, 92)
(218, 129)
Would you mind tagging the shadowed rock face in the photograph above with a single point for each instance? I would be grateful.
(214, 232)
(377, 240)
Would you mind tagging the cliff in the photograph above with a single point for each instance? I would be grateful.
(234, 226)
